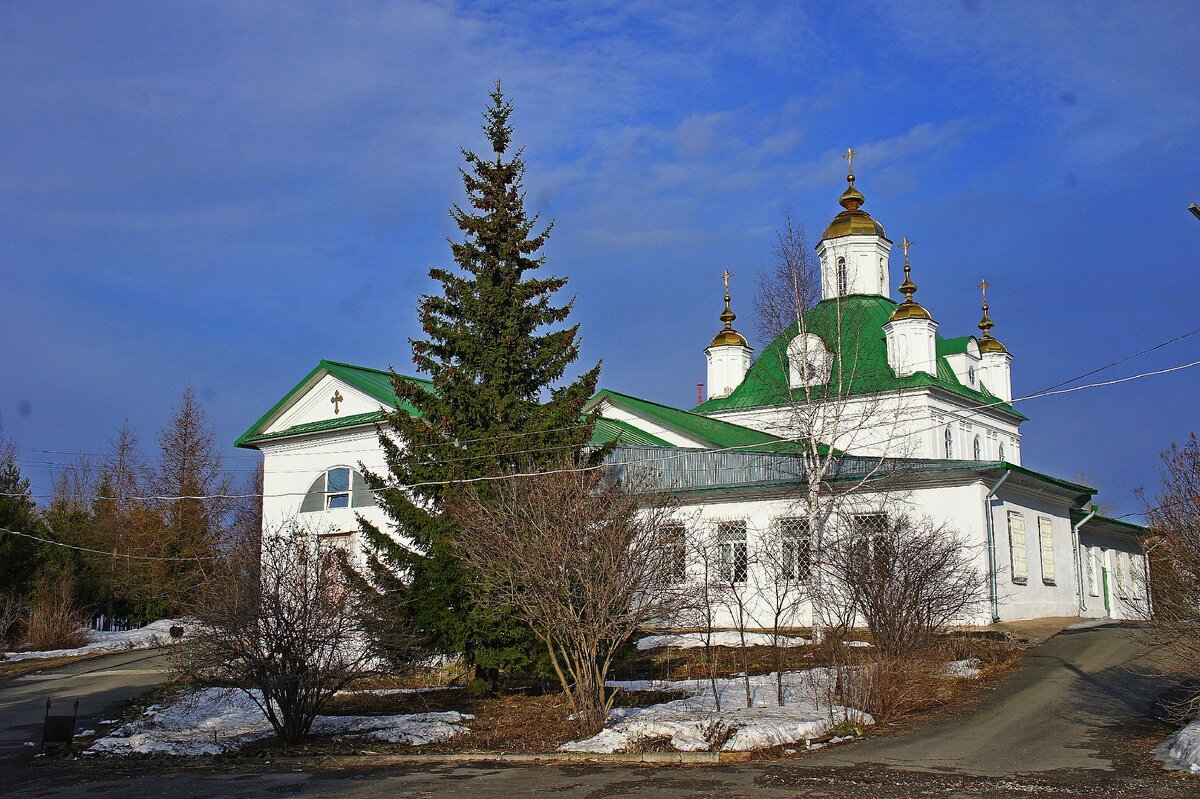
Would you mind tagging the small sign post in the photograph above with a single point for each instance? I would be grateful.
(59, 729)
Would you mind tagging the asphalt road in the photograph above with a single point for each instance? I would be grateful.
(103, 686)
(1074, 721)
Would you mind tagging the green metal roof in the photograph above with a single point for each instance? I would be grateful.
(609, 430)
(376, 383)
(322, 426)
(714, 432)
(854, 325)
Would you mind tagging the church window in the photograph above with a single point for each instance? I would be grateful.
(1001, 450)
(978, 449)
(676, 541)
(949, 441)
(971, 375)
(1016, 546)
(734, 561)
(808, 361)
(796, 545)
(339, 487)
(1046, 545)
(843, 280)
(883, 289)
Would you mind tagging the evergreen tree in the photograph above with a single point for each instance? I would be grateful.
(20, 557)
(495, 351)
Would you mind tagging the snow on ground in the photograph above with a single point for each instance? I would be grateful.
(216, 720)
(154, 634)
(1181, 750)
(721, 638)
(967, 669)
(694, 724)
(1085, 625)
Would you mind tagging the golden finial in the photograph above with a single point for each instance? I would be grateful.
(909, 309)
(849, 156)
(986, 342)
(728, 336)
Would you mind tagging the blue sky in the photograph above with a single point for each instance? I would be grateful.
(223, 193)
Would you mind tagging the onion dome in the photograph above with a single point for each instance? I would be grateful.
(728, 337)
(986, 342)
(853, 221)
(909, 309)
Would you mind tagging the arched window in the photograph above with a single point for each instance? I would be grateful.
(978, 450)
(1001, 450)
(339, 487)
(949, 437)
(883, 288)
(843, 282)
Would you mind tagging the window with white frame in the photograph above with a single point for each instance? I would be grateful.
(796, 543)
(1046, 547)
(339, 487)
(1016, 547)
(731, 536)
(676, 541)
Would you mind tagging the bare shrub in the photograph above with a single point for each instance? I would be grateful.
(581, 557)
(55, 619)
(1173, 628)
(280, 627)
(909, 579)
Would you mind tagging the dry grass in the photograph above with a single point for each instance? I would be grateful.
(55, 620)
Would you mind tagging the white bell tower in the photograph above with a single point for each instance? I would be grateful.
(995, 367)
(729, 355)
(910, 333)
(854, 249)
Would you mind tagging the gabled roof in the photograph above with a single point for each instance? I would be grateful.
(610, 430)
(376, 383)
(853, 325)
(714, 432)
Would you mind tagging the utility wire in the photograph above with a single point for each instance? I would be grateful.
(97, 551)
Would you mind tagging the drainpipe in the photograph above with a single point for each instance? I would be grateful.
(993, 588)
(1079, 557)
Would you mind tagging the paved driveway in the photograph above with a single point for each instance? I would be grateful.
(102, 685)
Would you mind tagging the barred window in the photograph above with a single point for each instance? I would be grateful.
(734, 561)
(675, 538)
(796, 542)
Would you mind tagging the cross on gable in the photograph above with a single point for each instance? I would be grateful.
(337, 399)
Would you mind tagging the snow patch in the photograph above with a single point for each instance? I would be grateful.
(967, 669)
(216, 720)
(1090, 623)
(154, 634)
(721, 638)
(694, 724)
(1181, 750)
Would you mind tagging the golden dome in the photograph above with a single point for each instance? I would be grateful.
(853, 221)
(909, 309)
(986, 342)
(728, 337)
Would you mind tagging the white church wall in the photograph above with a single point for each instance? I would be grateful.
(1114, 576)
(1036, 594)
(290, 466)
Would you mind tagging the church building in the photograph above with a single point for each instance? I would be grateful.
(860, 392)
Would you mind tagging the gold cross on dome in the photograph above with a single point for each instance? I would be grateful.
(725, 276)
(983, 286)
(906, 243)
(849, 156)
(337, 399)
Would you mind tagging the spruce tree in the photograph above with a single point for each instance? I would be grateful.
(20, 557)
(496, 351)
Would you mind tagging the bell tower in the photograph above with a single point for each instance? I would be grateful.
(854, 249)
(729, 355)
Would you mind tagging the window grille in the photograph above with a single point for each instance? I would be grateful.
(734, 558)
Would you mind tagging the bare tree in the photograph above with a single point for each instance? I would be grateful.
(583, 558)
(707, 591)
(784, 559)
(280, 626)
(1173, 627)
(910, 579)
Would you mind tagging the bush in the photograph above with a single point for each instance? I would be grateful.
(55, 620)
(11, 614)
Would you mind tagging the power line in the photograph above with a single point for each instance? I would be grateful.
(673, 456)
(97, 551)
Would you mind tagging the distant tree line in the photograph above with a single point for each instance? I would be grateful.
(121, 537)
